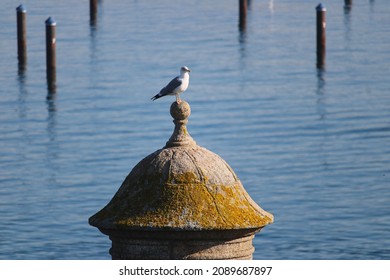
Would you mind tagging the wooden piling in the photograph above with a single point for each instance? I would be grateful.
(93, 7)
(243, 7)
(51, 52)
(321, 35)
(21, 33)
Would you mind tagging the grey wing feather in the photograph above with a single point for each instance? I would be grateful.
(169, 88)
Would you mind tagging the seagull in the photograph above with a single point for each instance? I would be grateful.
(178, 85)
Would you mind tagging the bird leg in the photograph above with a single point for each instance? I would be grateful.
(178, 101)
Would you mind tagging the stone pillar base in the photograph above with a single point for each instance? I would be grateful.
(211, 245)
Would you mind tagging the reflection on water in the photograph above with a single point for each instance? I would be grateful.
(347, 22)
(52, 147)
(309, 145)
(22, 91)
(322, 116)
(321, 108)
(51, 83)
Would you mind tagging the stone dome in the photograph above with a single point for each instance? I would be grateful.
(181, 187)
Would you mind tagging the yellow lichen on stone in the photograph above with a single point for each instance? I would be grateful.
(195, 206)
(182, 188)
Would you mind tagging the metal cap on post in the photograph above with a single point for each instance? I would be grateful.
(320, 8)
(21, 9)
(50, 21)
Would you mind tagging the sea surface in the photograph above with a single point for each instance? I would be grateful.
(311, 146)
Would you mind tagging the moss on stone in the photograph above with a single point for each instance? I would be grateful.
(157, 198)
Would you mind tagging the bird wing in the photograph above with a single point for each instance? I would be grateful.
(169, 88)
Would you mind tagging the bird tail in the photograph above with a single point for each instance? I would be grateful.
(158, 95)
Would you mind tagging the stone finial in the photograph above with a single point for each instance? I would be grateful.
(180, 136)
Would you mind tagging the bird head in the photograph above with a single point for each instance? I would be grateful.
(184, 69)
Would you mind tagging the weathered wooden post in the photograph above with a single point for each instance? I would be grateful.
(51, 53)
(93, 7)
(243, 7)
(21, 33)
(181, 202)
(321, 35)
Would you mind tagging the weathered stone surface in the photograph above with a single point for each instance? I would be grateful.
(180, 136)
(181, 202)
(183, 249)
(182, 188)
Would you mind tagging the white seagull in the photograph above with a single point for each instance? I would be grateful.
(178, 85)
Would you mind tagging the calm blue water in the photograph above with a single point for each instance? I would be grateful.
(311, 147)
